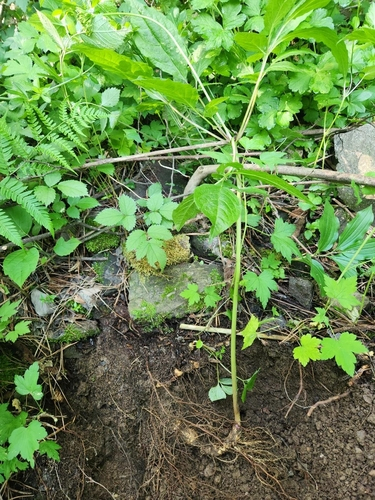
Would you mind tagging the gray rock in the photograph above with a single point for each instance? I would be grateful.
(302, 290)
(42, 303)
(209, 248)
(152, 299)
(355, 152)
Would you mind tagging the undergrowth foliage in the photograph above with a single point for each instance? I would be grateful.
(84, 81)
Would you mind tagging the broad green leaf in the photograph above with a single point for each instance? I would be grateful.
(137, 241)
(185, 211)
(328, 228)
(342, 291)
(66, 247)
(8, 422)
(308, 350)
(52, 179)
(191, 294)
(51, 30)
(103, 33)
(110, 97)
(343, 349)
(113, 62)
(362, 35)
(74, 189)
(158, 39)
(275, 181)
(111, 217)
(24, 441)
(261, 285)
(282, 241)
(155, 202)
(356, 229)
(232, 18)
(329, 38)
(28, 382)
(86, 203)
(316, 272)
(159, 232)
(50, 448)
(226, 385)
(216, 393)
(252, 42)
(155, 254)
(250, 331)
(21, 218)
(127, 205)
(249, 385)
(211, 298)
(20, 264)
(45, 194)
(276, 11)
(219, 204)
(182, 93)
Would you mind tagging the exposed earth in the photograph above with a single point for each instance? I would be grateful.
(136, 424)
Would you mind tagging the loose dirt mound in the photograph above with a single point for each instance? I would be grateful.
(136, 429)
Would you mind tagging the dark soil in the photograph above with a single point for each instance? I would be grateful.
(138, 425)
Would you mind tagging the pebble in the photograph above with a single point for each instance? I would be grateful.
(361, 437)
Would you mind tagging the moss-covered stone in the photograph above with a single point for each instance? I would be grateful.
(177, 250)
(74, 332)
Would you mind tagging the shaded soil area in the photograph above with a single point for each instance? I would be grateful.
(138, 425)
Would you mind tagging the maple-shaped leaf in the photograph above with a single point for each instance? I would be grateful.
(191, 294)
(50, 448)
(262, 285)
(343, 349)
(308, 350)
(342, 291)
(211, 298)
(24, 441)
(249, 333)
(8, 422)
(27, 384)
(282, 241)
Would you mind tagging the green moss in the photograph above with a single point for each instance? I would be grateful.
(75, 333)
(147, 315)
(99, 268)
(104, 241)
(177, 250)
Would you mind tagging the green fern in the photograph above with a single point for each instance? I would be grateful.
(11, 145)
(5, 155)
(9, 230)
(17, 191)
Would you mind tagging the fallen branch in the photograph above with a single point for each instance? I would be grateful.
(226, 331)
(326, 175)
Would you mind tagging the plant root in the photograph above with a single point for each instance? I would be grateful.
(327, 401)
(184, 433)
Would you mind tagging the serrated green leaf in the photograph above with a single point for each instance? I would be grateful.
(211, 298)
(110, 97)
(155, 202)
(343, 349)
(342, 291)
(24, 441)
(156, 254)
(219, 204)
(250, 332)
(262, 285)
(9, 309)
(137, 241)
(252, 42)
(20, 264)
(52, 179)
(159, 232)
(110, 217)
(50, 448)
(328, 228)
(21, 328)
(86, 203)
(191, 294)
(74, 189)
(27, 383)
(308, 350)
(282, 241)
(66, 247)
(356, 229)
(45, 194)
(8, 422)
(158, 39)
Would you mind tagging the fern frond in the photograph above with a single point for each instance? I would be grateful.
(9, 230)
(5, 155)
(19, 146)
(33, 123)
(62, 144)
(85, 116)
(52, 154)
(63, 112)
(70, 129)
(45, 119)
(17, 191)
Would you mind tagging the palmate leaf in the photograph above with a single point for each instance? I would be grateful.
(308, 350)
(24, 441)
(342, 291)
(343, 349)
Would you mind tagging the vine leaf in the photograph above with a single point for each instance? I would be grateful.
(343, 349)
(308, 350)
(25, 441)
(342, 291)
(282, 241)
(20, 264)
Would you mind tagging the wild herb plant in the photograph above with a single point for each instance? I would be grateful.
(243, 76)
